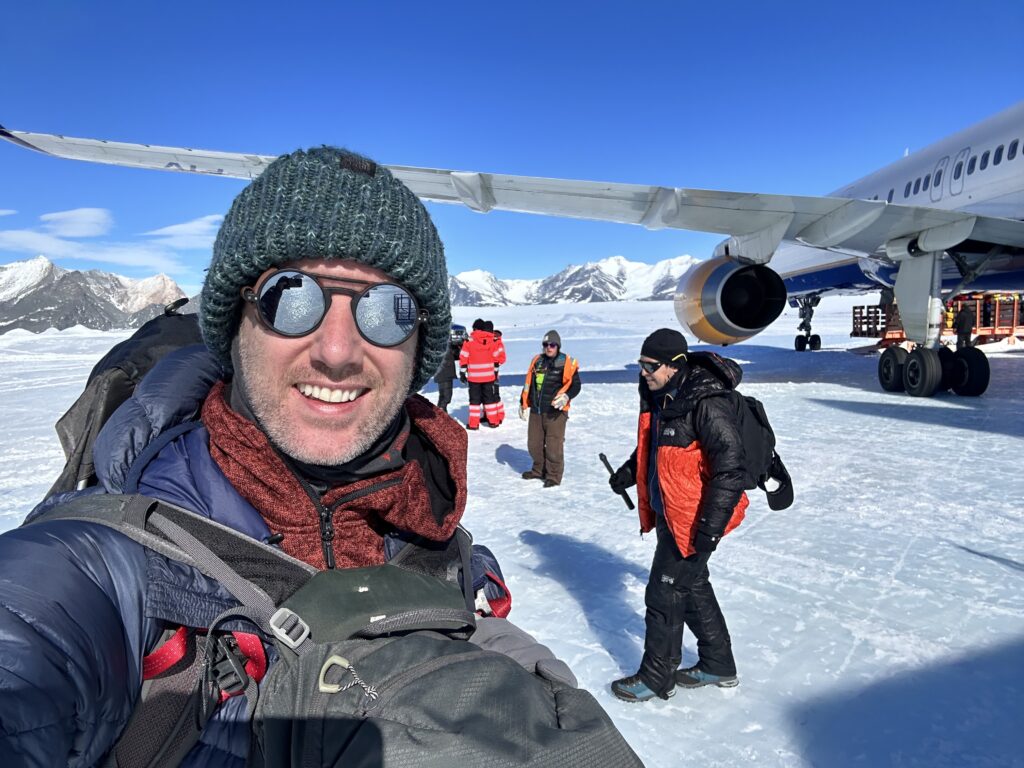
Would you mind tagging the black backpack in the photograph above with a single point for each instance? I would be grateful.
(376, 665)
(111, 382)
(764, 466)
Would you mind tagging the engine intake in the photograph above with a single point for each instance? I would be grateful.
(722, 302)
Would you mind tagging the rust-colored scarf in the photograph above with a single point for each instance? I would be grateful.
(361, 512)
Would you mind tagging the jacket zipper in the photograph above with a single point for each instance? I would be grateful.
(327, 514)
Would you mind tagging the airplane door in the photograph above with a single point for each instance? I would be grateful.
(959, 171)
(937, 179)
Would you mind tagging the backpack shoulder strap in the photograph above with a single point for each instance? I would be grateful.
(174, 707)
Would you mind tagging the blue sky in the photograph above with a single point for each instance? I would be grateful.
(788, 97)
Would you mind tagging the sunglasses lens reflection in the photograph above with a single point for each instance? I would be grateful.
(291, 303)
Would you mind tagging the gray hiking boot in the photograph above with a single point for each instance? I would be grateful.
(634, 690)
(695, 677)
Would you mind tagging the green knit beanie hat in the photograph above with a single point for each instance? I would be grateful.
(327, 203)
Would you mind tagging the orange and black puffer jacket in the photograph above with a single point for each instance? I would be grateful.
(699, 454)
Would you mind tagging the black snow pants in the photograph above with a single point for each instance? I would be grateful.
(679, 594)
(444, 394)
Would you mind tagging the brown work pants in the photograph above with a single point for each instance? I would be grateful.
(545, 439)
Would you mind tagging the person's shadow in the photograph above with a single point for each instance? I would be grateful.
(597, 580)
(516, 458)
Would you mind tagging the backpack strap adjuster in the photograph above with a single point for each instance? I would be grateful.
(228, 667)
(289, 628)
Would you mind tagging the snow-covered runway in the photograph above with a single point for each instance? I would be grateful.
(879, 621)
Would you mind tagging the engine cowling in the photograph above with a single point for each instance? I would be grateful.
(722, 301)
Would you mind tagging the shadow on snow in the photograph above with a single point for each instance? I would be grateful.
(961, 712)
(597, 580)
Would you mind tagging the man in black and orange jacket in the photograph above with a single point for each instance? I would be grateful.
(689, 470)
(552, 381)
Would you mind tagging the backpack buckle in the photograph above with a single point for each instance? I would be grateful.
(227, 669)
(289, 628)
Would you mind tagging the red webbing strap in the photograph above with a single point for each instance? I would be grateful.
(166, 655)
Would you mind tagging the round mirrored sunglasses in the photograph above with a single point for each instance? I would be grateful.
(293, 303)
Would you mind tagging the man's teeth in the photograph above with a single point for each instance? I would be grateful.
(328, 395)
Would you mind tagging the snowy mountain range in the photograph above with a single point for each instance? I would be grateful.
(37, 294)
(611, 279)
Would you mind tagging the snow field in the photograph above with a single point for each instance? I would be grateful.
(879, 621)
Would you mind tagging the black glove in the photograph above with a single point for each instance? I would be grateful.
(704, 542)
(622, 478)
(462, 376)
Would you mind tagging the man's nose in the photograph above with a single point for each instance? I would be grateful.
(337, 343)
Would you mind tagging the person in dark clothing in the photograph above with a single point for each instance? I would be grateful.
(324, 310)
(552, 381)
(689, 470)
(963, 324)
(446, 373)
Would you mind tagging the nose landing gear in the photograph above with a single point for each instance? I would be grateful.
(805, 339)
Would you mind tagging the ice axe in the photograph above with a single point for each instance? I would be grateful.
(623, 494)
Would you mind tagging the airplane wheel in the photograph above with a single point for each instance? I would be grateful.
(814, 342)
(946, 356)
(922, 372)
(890, 369)
(800, 343)
(971, 372)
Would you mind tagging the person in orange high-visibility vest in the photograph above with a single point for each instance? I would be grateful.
(552, 381)
(476, 363)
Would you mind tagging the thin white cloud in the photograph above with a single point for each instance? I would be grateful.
(143, 255)
(7, 212)
(80, 222)
(196, 234)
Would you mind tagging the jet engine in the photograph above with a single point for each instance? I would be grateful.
(722, 301)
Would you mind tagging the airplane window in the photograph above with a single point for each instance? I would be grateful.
(1012, 151)
(997, 158)
(970, 165)
(889, 198)
(958, 171)
(906, 192)
(984, 161)
(917, 186)
(927, 178)
(938, 178)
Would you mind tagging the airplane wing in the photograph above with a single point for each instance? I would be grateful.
(757, 223)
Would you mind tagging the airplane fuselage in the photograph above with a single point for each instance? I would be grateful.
(977, 170)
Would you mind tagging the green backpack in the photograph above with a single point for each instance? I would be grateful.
(376, 666)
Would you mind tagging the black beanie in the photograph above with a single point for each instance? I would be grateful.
(552, 337)
(488, 326)
(665, 346)
(478, 324)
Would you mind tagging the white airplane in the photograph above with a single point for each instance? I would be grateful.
(944, 219)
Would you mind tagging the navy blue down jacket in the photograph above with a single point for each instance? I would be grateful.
(80, 604)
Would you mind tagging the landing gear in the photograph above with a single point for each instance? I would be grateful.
(805, 339)
(929, 367)
(969, 372)
(890, 369)
(923, 372)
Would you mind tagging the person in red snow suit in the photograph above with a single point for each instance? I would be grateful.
(493, 397)
(476, 361)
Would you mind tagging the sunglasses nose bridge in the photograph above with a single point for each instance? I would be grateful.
(336, 341)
